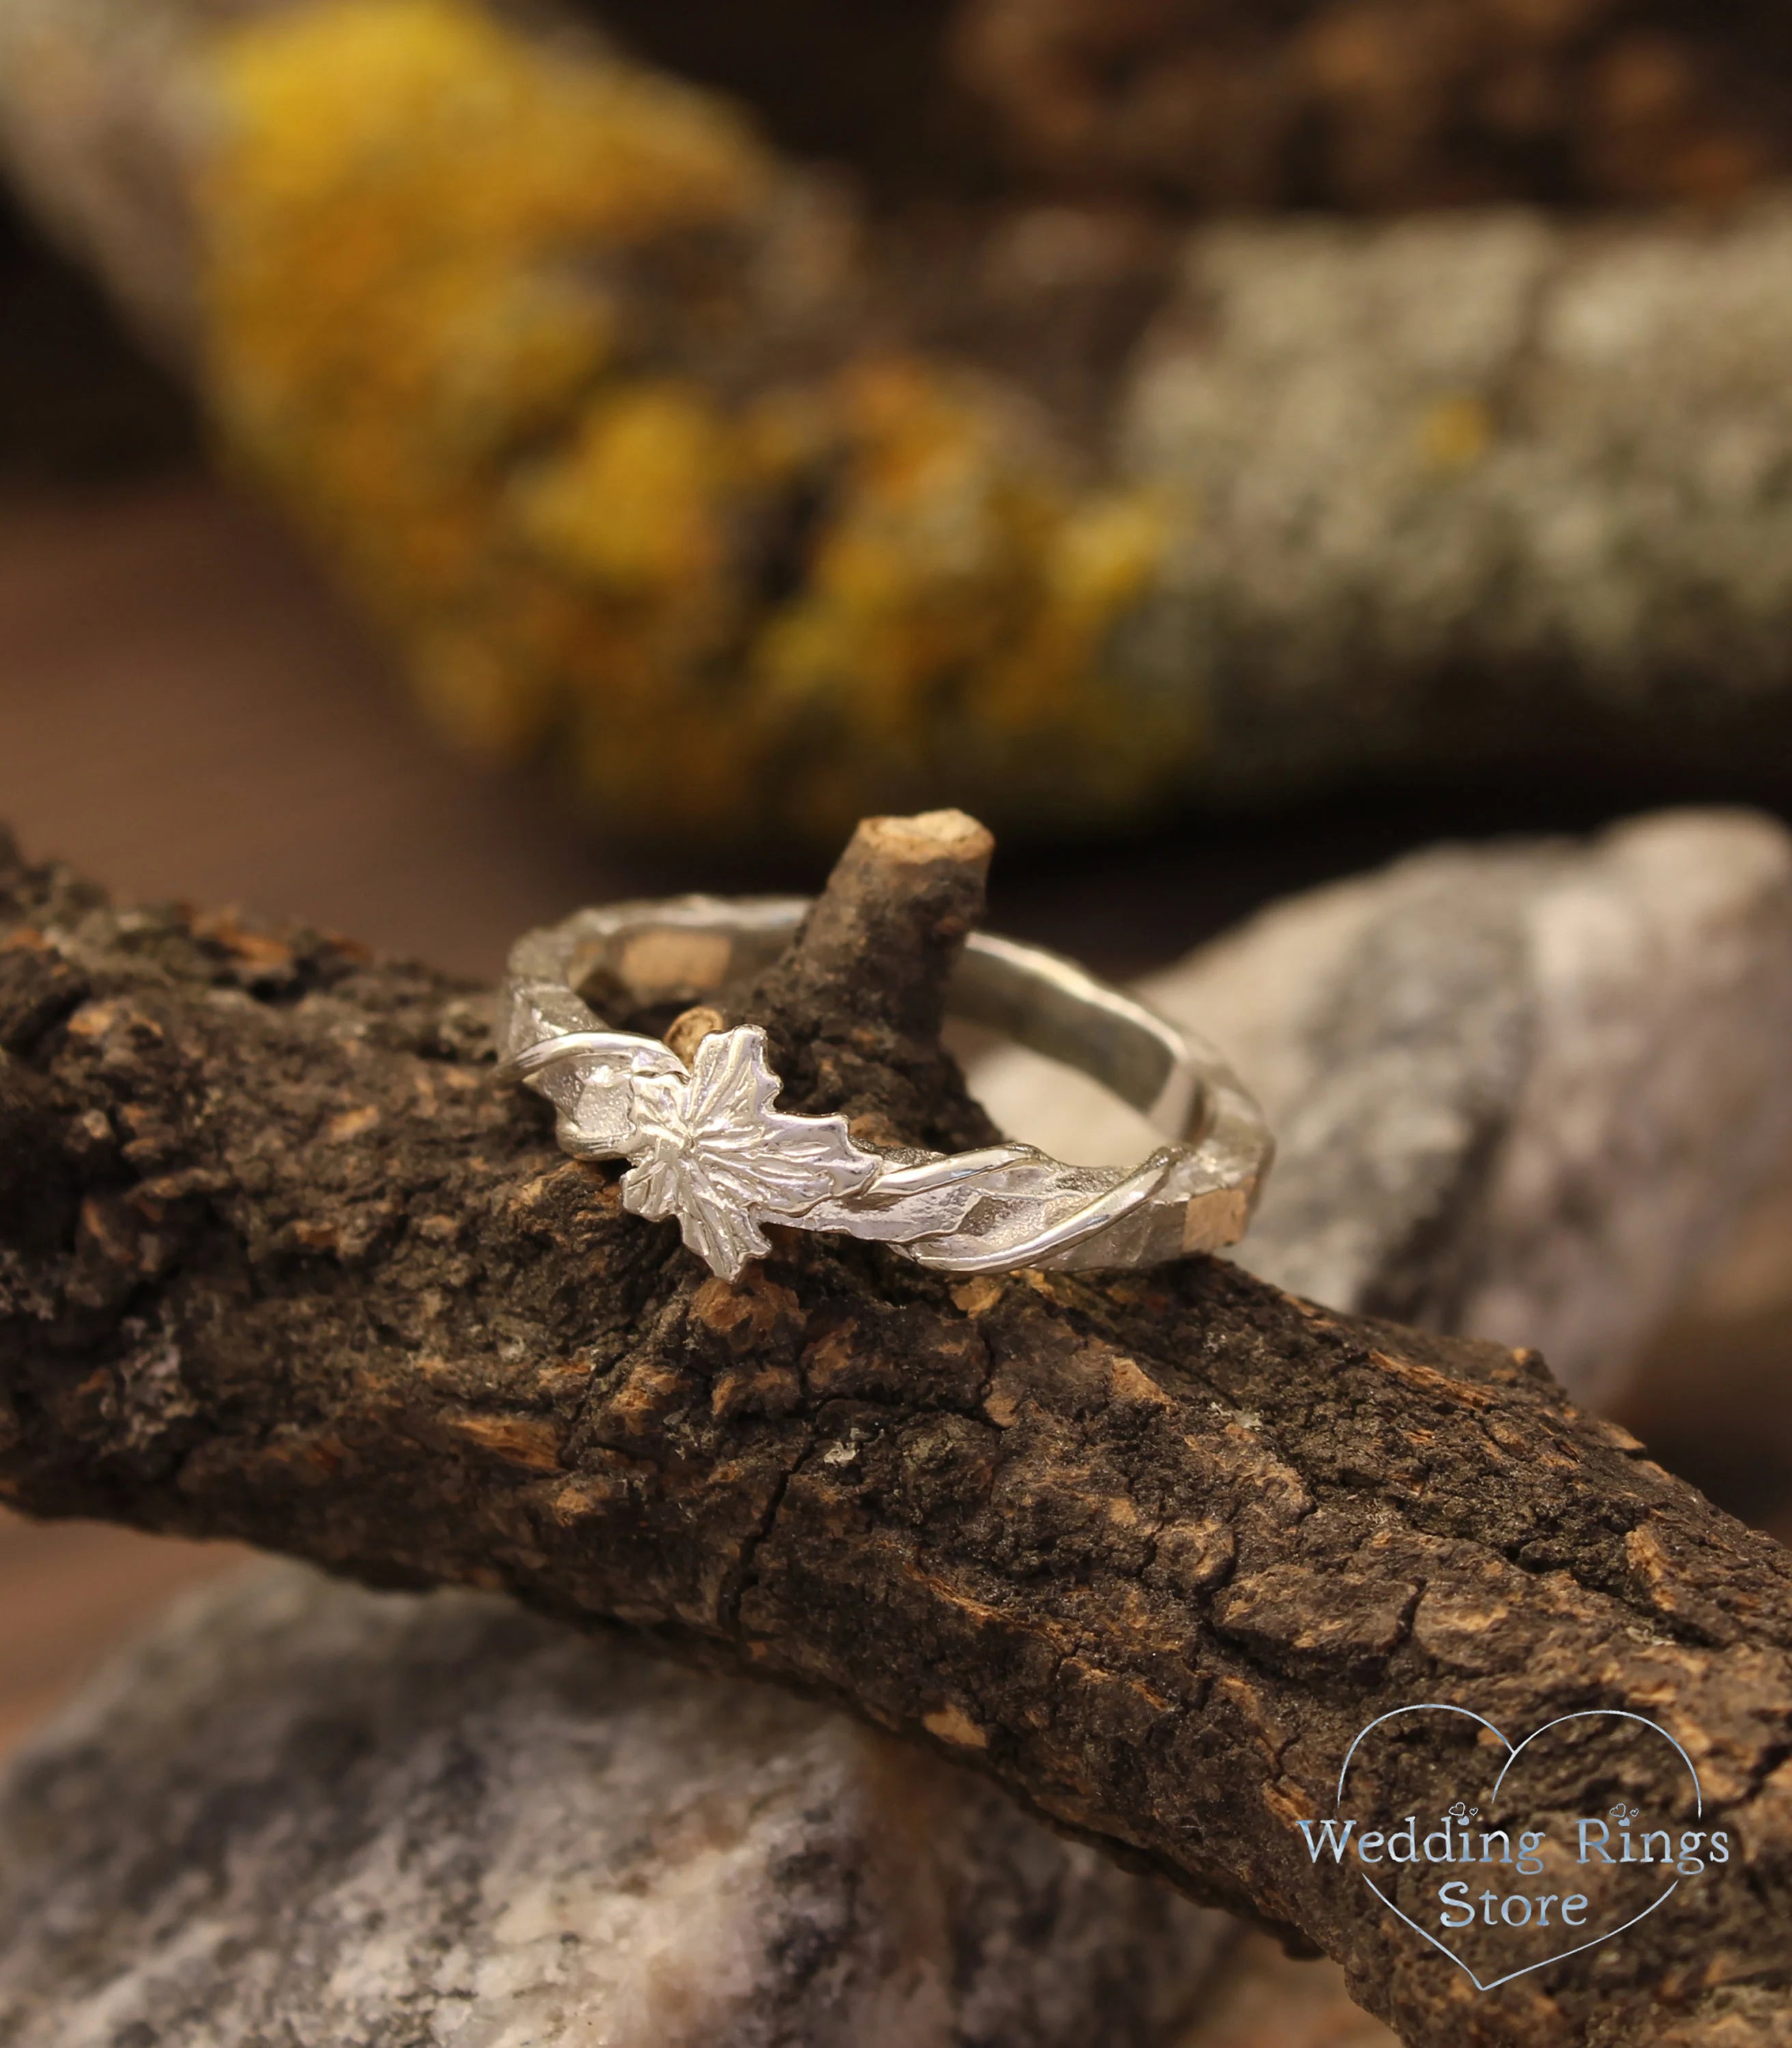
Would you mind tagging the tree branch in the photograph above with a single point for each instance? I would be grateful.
(1150, 1549)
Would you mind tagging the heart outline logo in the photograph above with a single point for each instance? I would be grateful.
(1513, 1753)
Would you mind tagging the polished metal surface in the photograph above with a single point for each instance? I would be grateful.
(707, 1144)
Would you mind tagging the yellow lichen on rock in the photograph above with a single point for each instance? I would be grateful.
(632, 507)
(958, 599)
(402, 190)
(487, 314)
(1458, 432)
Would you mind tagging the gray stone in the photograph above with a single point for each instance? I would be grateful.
(1520, 1092)
(306, 1816)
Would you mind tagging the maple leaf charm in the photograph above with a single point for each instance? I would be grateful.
(707, 1147)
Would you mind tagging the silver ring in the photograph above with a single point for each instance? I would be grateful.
(707, 1144)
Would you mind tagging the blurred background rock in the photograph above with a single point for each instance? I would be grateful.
(758, 427)
(1387, 104)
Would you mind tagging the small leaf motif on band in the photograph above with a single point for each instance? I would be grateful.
(705, 1143)
(708, 1148)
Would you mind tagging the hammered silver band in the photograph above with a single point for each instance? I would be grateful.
(707, 1145)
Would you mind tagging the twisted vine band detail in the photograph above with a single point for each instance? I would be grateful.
(706, 1143)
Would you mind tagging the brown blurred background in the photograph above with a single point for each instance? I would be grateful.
(185, 711)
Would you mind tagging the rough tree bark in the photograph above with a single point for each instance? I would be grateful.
(280, 1262)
